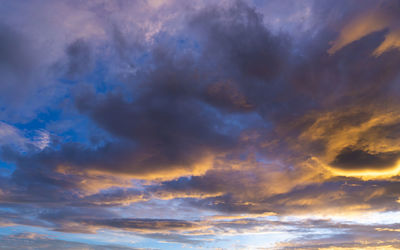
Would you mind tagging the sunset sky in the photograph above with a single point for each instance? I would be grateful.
(199, 124)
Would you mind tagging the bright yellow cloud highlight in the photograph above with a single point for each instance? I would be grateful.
(365, 174)
(338, 135)
(368, 174)
(387, 229)
(367, 130)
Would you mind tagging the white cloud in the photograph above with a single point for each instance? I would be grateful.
(14, 137)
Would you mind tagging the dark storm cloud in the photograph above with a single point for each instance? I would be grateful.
(79, 56)
(171, 117)
(358, 159)
(238, 39)
(169, 130)
(248, 58)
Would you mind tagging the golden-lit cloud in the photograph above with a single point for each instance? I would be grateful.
(388, 229)
(92, 182)
(95, 177)
(356, 143)
(381, 17)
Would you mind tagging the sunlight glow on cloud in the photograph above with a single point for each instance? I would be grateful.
(379, 18)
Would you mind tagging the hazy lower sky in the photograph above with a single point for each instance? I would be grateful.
(134, 124)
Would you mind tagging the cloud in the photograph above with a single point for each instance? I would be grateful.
(173, 123)
(355, 159)
(181, 117)
(10, 135)
(146, 225)
(13, 137)
(349, 236)
(380, 16)
(220, 114)
(34, 241)
(14, 58)
(79, 58)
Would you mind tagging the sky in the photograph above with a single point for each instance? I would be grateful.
(151, 124)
